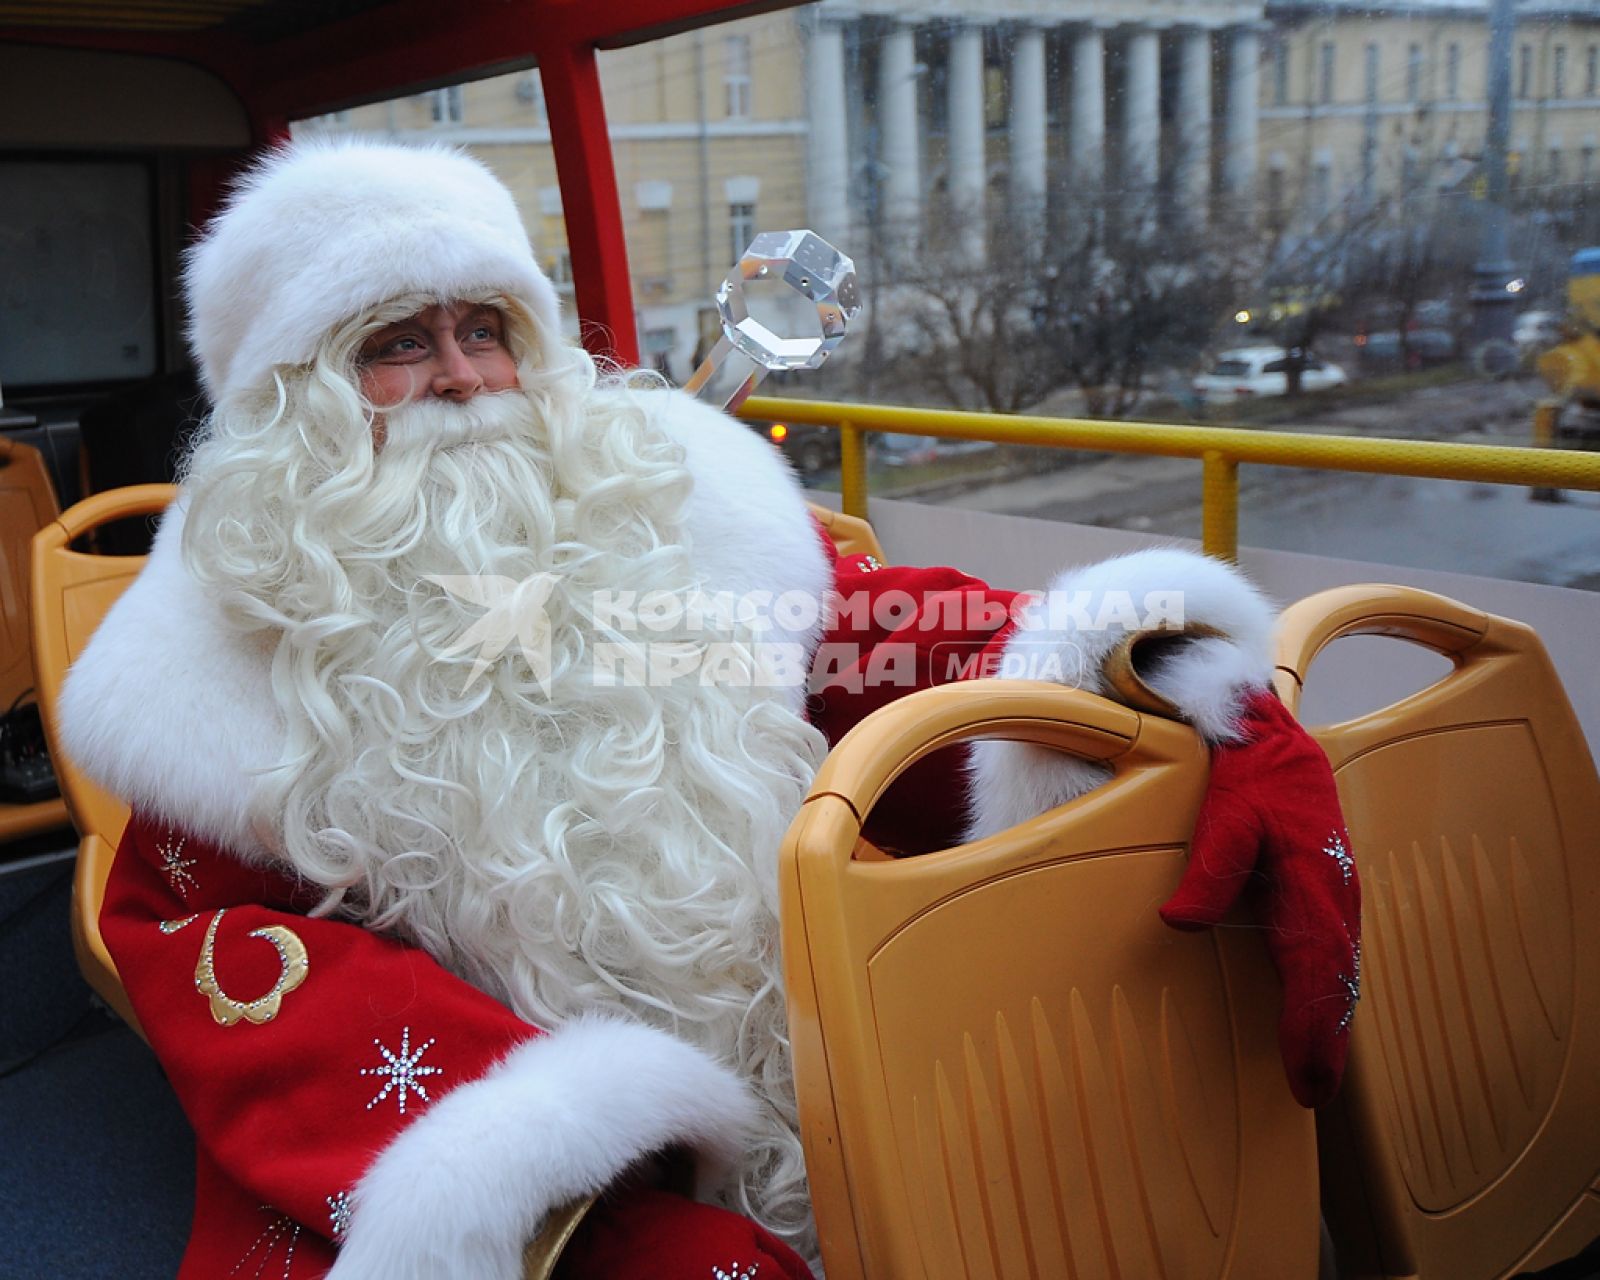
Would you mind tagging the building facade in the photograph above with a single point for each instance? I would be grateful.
(1364, 103)
(889, 124)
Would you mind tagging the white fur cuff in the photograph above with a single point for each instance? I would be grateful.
(461, 1191)
(1085, 615)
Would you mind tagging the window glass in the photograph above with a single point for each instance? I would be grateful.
(77, 278)
(1081, 213)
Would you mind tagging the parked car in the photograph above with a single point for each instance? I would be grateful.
(810, 449)
(1251, 372)
(904, 451)
(1421, 347)
(1536, 331)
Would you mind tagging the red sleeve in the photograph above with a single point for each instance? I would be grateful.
(298, 1047)
(892, 630)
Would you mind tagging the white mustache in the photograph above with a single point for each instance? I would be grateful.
(432, 424)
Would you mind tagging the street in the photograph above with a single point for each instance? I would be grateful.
(1491, 530)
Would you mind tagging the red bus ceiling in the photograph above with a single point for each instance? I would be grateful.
(287, 59)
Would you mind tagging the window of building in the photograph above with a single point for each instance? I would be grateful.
(1322, 189)
(1591, 72)
(446, 105)
(1325, 72)
(736, 75)
(1553, 165)
(1525, 71)
(1558, 71)
(530, 91)
(741, 229)
(1410, 169)
(1280, 73)
(1452, 71)
(1369, 77)
(1413, 72)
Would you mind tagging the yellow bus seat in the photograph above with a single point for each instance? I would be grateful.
(27, 504)
(72, 591)
(1466, 1141)
(852, 535)
(1007, 1066)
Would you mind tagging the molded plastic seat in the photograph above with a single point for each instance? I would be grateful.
(1466, 1141)
(1007, 1065)
(72, 591)
(27, 504)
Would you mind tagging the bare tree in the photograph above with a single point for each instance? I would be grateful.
(1092, 302)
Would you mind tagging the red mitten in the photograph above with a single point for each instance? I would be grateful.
(644, 1232)
(1270, 825)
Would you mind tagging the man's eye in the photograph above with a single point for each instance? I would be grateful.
(483, 333)
(400, 347)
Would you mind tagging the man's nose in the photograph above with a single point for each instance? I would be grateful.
(455, 377)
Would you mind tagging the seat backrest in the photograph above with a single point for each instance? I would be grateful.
(27, 504)
(71, 594)
(72, 591)
(1006, 1065)
(1466, 1142)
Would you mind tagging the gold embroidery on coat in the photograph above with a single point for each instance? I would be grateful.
(172, 926)
(224, 1008)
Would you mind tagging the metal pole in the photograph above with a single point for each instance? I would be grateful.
(1492, 304)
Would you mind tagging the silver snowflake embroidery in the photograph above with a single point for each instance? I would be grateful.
(172, 926)
(402, 1070)
(174, 865)
(869, 564)
(339, 1210)
(1352, 987)
(735, 1271)
(282, 1229)
(1335, 849)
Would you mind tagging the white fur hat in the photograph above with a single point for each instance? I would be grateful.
(323, 231)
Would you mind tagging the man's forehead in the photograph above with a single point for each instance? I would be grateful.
(451, 312)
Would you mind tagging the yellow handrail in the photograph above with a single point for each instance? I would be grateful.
(1221, 449)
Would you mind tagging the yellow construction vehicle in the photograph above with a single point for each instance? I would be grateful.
(1571, 369)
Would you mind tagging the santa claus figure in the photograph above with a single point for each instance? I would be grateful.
(462, 706)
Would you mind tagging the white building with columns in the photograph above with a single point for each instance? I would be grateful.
(919, 111)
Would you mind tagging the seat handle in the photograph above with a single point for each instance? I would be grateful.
(103, 508)
(1309, 626)
(883, 746)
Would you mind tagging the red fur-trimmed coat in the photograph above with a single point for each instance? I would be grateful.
(294, 1041)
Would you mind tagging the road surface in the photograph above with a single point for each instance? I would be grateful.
(1492, 530)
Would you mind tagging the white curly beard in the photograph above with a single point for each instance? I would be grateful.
(563, 844)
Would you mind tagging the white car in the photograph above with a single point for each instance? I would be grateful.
(1536, 331)
(1249, 372)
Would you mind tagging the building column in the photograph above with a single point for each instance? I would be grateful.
(897, 135)
(968, 167)
(1087, 141)
(1141, 122)
(828, 147)
(1241, 133)
(1194, 124)
(1028, 125)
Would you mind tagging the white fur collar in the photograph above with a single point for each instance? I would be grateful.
(171, 709)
